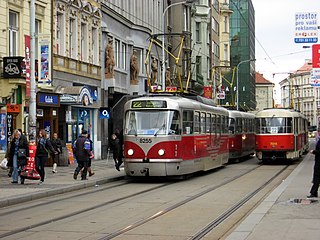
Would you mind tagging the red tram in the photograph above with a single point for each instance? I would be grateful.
(241, 135)
(281, 134)
(166, 135)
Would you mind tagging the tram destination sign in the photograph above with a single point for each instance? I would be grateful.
(149, 104)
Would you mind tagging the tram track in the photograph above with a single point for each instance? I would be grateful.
(144, 220)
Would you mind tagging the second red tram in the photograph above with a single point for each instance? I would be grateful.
(281, 134)
(241, 135)
(171, 135)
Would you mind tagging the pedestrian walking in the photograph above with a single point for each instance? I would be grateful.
(7, 156)
(81, 150)
(44, 148)
(116, 150)
(57, 146)
(18, 155)
(316, 169)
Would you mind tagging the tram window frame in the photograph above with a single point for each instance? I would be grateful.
(196, 122)
(239, 125)
(187, 121)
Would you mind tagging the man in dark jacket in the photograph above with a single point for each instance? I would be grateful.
(316, 169)
(81, 150)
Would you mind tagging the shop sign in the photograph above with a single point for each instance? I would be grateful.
(85, 97)
(9, 126)
(13, 108)
(104, 112)
(12, 67)
(48, 99)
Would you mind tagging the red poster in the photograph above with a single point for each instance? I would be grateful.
(316, 56)
(27, 60)
(207, 92)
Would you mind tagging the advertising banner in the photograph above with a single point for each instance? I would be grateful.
(27, 63)
(306, 27)
(44, 65)
(3, 132)
(316, 56)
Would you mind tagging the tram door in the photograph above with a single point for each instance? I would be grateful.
(296, 133)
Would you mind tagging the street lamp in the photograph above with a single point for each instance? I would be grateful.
(163, 39)
(244, 61)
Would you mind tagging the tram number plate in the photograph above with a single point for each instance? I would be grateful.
(145, 140)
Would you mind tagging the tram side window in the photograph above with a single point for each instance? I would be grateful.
(213, 122)
(187, 122)
(232, 125)
(219, 124)
(197, 122)
(175, 123)
(208, 123)
(239, 125)
(203, 123)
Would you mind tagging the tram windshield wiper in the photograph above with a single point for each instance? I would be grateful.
(162, 127)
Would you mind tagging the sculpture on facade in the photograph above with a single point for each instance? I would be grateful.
(168, 77)
(154, 71)
(110, 63)
(134, 68)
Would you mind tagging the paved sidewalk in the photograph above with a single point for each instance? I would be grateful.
(60, 182)
(286, 213)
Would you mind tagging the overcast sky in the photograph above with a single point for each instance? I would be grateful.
(276, 50)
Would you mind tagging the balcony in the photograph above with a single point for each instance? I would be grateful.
(77, 67)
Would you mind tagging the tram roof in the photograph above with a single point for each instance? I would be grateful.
(176, 102)
(239, 114)
(279, 112)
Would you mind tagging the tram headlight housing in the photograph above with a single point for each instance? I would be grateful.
(161, 152)
(130, 152)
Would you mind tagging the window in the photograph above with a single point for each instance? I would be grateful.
(203, 123)
(197, 122)
(72, 38)
(208, 123)
(95, 46)
(198, 64)
(123, 55)
(13, 33)
(225, 52)
(187, 122)
(84, 42)
(60, 34)
(116, 53)
(225, 24)
(198, 32)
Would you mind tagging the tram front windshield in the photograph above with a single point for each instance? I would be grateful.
(152, 122)
(274, 125)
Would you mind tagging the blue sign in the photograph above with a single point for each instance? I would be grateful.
(104, 112)
(306, 27)
(48, 99)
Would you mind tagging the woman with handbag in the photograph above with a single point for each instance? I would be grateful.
(18, 154)
(44, 148)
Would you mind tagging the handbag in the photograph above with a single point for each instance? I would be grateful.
(22, 153)
(3, 164)
(30, 173)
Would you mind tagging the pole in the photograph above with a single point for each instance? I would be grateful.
(244, 61)
(32, 101)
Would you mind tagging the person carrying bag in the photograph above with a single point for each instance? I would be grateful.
(18, 155)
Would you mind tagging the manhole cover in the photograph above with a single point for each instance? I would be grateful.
(303, 201)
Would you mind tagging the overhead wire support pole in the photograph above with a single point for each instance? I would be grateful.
(32, 101)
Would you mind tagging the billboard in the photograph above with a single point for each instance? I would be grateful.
(306, 27)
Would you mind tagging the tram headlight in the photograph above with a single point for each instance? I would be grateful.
(130, 152)
(161, 152)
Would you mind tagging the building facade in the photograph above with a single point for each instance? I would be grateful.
(264, 92)
(242, 57)
(14, 52)
(298, 93)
